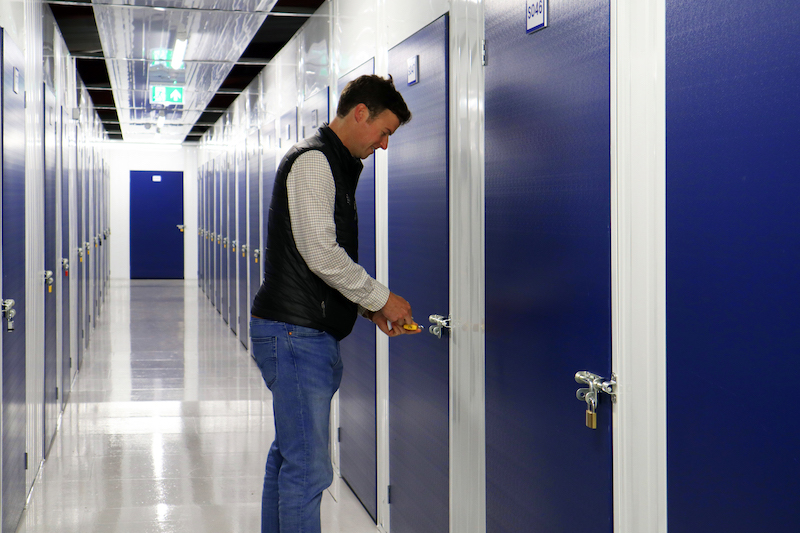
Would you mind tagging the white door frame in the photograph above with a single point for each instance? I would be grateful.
(638, 256)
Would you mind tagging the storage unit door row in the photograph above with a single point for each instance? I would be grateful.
(71, 281)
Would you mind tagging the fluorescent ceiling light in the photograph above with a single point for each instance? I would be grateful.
(177, 53)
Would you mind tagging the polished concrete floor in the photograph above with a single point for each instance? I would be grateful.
(167, 427)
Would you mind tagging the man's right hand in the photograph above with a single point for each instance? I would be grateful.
(397, 310)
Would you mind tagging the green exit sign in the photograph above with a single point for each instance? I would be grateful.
(166, 94)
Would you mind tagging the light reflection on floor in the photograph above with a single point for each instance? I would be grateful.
(167, 427)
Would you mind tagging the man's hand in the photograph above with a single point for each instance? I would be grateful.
(397, 310)
(383, 324)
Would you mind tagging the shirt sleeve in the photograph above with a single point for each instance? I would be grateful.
(311, 194)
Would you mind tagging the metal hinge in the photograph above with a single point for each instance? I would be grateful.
(483, 52)
(339, 435)
(26, 460)
(389, 494)
(56, 393)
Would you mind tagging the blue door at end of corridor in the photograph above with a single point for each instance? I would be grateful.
(733, 290)
(156, 242)
(419, 231)
(358, 458)
(12, 321)
(548, 267)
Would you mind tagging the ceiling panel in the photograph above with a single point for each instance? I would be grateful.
(229, 42)
(138, 40)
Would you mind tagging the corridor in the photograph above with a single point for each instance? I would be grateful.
(167, 427)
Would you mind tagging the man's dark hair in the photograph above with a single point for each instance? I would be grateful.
(375, 92)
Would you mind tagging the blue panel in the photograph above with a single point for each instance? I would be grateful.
(733, 293)
(419, 271)
(81, 267)
(241, 250)
(13, 233)
(548, 267)
(227, 236)
(156, 212)
(358, 460)
(211, 242)
(201, 224)
(254, 148)
(269, 163)
(66, 316)
(52, 264)
(217, 244)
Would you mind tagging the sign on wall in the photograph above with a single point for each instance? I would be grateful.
(535, 15)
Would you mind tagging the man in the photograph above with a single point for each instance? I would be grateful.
(313, 290)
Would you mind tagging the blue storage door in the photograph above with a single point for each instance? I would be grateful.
(241, 247)
(226, 176)
(200, 225)
(269, 163)
(79, 232)
(156, 212)
(358, 460)
(419, 271)
(52, 269)
(13, 259)
(209, 238)
(66, 316)
(218, 234)
(548, 267)
(733, 291)
(254, 148)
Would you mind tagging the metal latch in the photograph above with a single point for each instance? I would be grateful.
(244, 250)
(439, 323)
(65, 265)
(256, 254)
(233, 245)
(48, 280)
(9, 312)
(596, 384)
(181, 227)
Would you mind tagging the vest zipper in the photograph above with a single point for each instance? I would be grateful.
(323, 309)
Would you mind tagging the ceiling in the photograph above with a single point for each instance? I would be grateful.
(124, 47)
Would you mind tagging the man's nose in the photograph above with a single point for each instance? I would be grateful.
(385, 143)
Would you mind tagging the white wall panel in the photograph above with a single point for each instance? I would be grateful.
(12, 19)
(315, 50)
(354, 34)
(409, 17)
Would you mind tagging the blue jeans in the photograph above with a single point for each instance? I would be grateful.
(303, 369)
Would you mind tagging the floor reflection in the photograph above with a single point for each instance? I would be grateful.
(167, 427)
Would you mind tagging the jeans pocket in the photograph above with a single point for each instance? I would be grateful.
(303, 331)
(265, 352)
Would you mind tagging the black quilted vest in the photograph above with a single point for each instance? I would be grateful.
(290, 292)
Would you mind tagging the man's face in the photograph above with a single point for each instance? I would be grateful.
(374, 133)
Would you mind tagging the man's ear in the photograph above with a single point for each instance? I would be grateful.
(361, 112)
